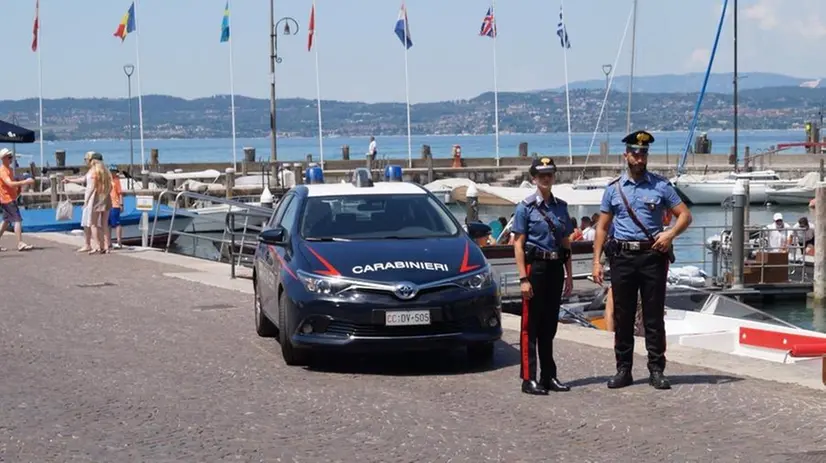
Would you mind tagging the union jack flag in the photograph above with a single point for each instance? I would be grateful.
(488, 25)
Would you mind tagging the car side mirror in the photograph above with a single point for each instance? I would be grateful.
(273, 236)
(478, 230)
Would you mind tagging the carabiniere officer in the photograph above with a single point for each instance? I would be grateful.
(541, 227)
(639, 253)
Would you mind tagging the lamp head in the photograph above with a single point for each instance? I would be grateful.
(128, 69)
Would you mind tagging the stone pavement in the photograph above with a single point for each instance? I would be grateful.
(106, 359)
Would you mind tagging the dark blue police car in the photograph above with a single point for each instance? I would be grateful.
(366, 266)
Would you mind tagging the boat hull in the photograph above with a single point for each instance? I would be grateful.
(717, 192)
(790, 196)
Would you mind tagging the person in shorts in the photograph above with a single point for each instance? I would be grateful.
(9, 191)
(117, 206)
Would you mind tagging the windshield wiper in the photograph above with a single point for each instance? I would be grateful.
(325, 238)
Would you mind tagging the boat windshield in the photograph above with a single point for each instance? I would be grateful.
(695, 299)
(399, 216)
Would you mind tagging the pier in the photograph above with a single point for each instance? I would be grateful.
(144, 355)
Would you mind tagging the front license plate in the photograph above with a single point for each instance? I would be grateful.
(412, 317)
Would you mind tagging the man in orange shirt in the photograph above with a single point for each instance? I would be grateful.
(9, 190)
(117, 206)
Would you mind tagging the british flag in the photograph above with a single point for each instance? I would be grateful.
(488, 25)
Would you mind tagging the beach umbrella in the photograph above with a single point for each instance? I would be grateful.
(10, 133)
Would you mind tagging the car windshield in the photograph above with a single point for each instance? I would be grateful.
(356, 217)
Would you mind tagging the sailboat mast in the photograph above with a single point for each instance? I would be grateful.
(736, 151)
(633, 62)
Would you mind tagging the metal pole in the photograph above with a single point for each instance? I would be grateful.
(128, 70)
(735, 88)
(273, 57)
(606, 69)
(738, 235)
(633, 61)
(819, 285)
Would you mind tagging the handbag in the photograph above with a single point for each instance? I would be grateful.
(670, 252)
(64, 210)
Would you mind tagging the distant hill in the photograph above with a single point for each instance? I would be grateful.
(692, 82)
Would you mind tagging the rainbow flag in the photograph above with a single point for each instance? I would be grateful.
(127, 24)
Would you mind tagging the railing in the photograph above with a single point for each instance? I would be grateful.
(235, 237)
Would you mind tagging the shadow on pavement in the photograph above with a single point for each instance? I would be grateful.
(415, 363)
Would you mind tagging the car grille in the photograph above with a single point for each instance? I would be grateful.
(342, 328)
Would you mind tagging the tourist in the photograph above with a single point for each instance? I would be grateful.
(779, 234)
(542, 250)
(457, 157)
(117, 207)
(803, 237)
(86, 214)
(639, 253)
(372, 150)
(588, 232)
(9, 191)
(101, 204)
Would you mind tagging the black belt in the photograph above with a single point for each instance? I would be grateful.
(541, 254)
(635, 245)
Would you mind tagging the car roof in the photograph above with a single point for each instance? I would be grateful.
(348, 189)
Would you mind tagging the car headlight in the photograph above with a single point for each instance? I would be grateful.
(320, 284)
(479, 280)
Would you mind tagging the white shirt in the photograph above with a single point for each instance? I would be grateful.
(779, 237)
(589, 234)
(372, 148)
(803, 235)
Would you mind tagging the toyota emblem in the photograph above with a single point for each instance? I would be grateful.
(405, 290)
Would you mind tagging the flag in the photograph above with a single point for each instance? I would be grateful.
(562, 32)
(225, 25)
(311, 29)
(36, 27)
(488, 25)
(403, 28)
(127, 24)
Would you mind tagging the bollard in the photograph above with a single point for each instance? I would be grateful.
(249, 158)
(153, 158)
(472, 196)
(746, 162)
(60, 158)
(170, 196)
(819, 284)
(345, 152)
(738, 235)
(732, 156)
(145, 179)
(229, 181)
(53, 190)
(309, 159)
(523, 149)
(429, 165)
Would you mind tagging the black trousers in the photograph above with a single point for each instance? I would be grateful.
(644, 272)
(540, 318)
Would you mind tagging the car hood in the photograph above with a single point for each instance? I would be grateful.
(415, 260)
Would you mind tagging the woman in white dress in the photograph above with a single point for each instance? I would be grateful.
(86, 216)
(99, 202)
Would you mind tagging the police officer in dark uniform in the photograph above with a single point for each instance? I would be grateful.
(639, 253)
(541, 228)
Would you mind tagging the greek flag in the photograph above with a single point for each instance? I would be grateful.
(562, 32)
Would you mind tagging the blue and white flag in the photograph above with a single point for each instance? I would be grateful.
(562, 32)
(403, 28)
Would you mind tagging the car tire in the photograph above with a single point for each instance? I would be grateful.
(291, 355)
(481, 354)
(263, 326)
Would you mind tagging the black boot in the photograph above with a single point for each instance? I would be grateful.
(533, 388)
(555, 385)
(658, 380)
(623, 378)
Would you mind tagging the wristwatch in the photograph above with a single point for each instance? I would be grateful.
(524, 280)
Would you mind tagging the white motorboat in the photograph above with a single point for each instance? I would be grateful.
(596, 183)
(715, 188)
(510, 196)
(797, 195)
(707, 320)
(443, 188)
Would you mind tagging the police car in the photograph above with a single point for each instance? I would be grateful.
(366, 266)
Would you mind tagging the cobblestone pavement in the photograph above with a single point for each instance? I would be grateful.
(104, 359)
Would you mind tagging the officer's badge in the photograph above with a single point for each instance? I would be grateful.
(545, 161)
(643, 138)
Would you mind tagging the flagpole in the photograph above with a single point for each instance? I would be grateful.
(407, 93)
(567, 93)
(140, 94)
(318, 99)
(40, 93)
(495, 83)
(232, 92)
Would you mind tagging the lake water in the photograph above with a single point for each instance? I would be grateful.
(475, 146)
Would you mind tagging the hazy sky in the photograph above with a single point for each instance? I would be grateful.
(361, 59)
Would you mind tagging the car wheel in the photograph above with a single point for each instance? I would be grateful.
(481, 354)
(263, 326)
(291, 355)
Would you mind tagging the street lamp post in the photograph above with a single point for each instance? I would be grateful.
(128, 70)
(274, 58)
(606, 69)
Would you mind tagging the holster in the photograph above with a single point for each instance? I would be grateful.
(530, 253)
(565, 254)
(611, 248)
(671, 257)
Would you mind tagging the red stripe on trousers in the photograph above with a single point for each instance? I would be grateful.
(524, 344)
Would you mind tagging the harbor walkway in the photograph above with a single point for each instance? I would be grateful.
(127, 358)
